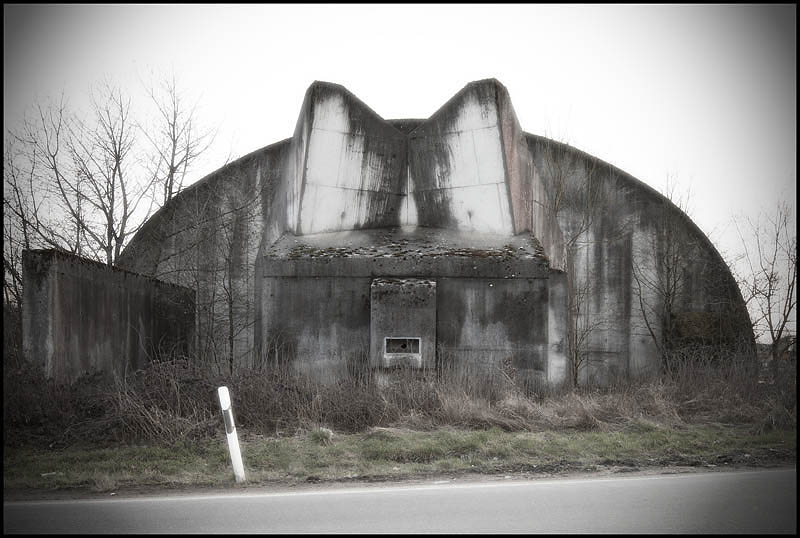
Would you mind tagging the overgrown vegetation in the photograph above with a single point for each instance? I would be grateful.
(393, 453)
(174, 401)
(162, 425)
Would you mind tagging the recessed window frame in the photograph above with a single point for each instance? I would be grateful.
(410, 339)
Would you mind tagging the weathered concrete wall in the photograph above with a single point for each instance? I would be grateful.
(406, 251)
(82, 316)
(627, 246)
(324, 326)
(558, 329)
(483, 322)
(492, 299)
(532, 203)
(319, 324)
(343, 168)
(458, 177)
(209, 237)
(470, 169)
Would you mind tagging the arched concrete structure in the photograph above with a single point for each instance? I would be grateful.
(529, 244)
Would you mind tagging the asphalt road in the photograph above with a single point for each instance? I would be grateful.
(709, 502)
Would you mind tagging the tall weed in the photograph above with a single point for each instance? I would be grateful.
(174, 400)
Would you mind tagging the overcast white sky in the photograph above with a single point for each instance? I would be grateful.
(704, 95)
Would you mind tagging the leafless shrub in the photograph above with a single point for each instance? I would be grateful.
(271, 399)
(174, 400)
(350, 406)
(167, 402)
(48, 413)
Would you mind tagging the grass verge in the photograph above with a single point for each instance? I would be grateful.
(391, 454)
(161, 426)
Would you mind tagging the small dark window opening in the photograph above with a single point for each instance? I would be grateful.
(402, 345)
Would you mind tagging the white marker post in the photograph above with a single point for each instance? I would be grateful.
(230, 431)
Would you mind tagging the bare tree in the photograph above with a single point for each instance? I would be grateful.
(769, 287)
(37, 161)
(688, 297)
(575, 189)
(104, 178)
(208, 245)
(80, 180)
(177, 141)
(583, 324)
(84, 172)
(16, 229)
(576, 198)
(28, 217)
(656, 272)
(233, 270)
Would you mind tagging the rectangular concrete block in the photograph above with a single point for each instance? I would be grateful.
(402, 323)
(80, 316)
(489, 324)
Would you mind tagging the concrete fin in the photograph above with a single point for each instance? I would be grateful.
(529, 200)
(457, 167)
(350, 171)
(466, 167)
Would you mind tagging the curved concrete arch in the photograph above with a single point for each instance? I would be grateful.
(625, 246)
(469, 168)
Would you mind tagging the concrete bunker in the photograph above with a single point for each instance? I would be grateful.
(315, 247)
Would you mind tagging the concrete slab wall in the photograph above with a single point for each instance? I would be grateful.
(557, 329)
(81, 316)
(490, 309)
(486, 325)
(531, 202)
(470, 169)
(323, 325)
(318, 325)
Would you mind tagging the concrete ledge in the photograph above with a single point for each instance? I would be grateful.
(402, 252)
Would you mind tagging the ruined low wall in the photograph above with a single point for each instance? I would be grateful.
(81, 316)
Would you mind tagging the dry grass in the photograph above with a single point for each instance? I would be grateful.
(167, 401)
(172, 401)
